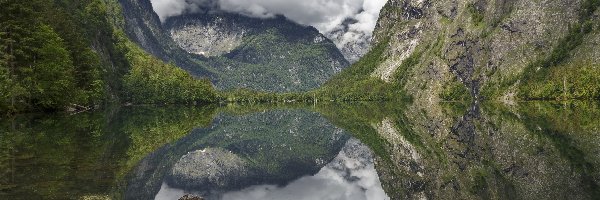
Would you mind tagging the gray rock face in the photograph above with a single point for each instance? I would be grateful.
(208, 40)
(353, 157)
(484, 45)
(488, 154)
(353, 45)
(273, 54)
(355, 50)
(208, 168)
(144, 28)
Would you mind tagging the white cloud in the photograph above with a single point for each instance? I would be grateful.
(325, 15)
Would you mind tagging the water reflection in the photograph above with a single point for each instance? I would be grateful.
(269, 155)
(351, 175)
(446, 151)
(86, 155)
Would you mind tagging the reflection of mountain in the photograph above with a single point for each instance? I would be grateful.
(350, 176)
(272, 148)
(532, 151)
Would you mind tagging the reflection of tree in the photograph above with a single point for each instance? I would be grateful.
(52, 155)
(58, 156)
(7, 164)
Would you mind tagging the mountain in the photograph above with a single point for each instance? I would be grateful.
(144, 28)
(497, 50)
(236, 51)
(353, 45)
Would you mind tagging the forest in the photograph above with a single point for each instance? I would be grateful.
(72, 55)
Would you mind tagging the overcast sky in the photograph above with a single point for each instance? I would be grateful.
(325, 15)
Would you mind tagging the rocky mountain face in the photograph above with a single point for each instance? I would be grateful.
(354, 45)
(144, 28)
(274, 54)
(236, 51)
(492, 49)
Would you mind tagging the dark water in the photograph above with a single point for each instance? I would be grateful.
(333, 151)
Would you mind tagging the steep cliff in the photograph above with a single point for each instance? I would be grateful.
(488, 49)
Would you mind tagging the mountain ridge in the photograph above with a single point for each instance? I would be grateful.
(279, 48)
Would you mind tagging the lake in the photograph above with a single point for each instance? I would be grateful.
(375, 151)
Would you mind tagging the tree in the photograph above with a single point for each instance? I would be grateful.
(50, 79)
(18, 20)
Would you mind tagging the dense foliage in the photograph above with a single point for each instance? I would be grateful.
(37, 67)
(271, 61)
(64, 54)
(150, 81)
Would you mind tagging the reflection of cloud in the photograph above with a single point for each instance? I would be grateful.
(351, 175)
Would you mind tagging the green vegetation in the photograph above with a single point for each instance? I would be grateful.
(252, 96)
(555, 76)
(102, 150)
(149, 128)
(352, 84)
(402, 71)
(548, 122)
(74, 55)
(356, 83)
(358, 119)
(273, 55)
(477, 16)
(42, 70)
(68, 54)
(455, 91)
(274, 60)
(57, 156)
(567, 81)
(53, 156)
(150, 81)
(276, 145)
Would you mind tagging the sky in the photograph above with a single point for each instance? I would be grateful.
(325, 15)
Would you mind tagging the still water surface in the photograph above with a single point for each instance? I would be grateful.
(334, 151)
